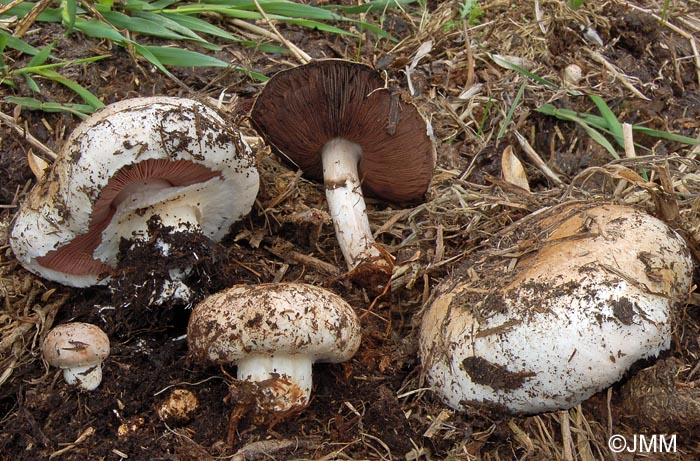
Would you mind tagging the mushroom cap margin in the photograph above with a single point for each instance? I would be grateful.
(293, 318)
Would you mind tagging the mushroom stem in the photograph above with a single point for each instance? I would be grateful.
(346, 202)
(285, 378)
(87, 377)
(131, 222)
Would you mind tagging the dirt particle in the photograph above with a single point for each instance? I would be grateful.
(495, 376)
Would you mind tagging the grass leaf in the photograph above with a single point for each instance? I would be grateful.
(611, 120)
(511, 111)
(370, 7)
(41, 57)
(666, 135)
(98, 29)
(31, 83)
(174, 26)
(17, 44)
(140, 25)
(170, 56)
(571, 116)
(79, 110)
(87, 96)
(68, 14)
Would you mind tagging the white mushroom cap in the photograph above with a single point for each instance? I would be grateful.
(171, 157)
(596, 298)
(274, 332)
(572, 75)
(79, 349)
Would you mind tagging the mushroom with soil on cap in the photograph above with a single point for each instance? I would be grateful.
(79, 350)
(174, 159)
(593, 295)
(273, 333)
(337, 122)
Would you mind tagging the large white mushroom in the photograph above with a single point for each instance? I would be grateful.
(170, 158)
(595, 296)
(273, 333)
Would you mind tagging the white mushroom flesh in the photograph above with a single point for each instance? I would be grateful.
(289, 377)
(87, 377)
(347, 203)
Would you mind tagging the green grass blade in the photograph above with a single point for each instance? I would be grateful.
(568, 115)
(98, 29)
(666, 135)
(314, 25)
(611, 120)
(203, 27)
(41, 57)
(293, 10)
(505, 63)
(370, 7)
(140, 25)
(79, 110)
(48, 15)
(42, 67)
(198, 25)
(362, 25)
(31, 83)
(220, 9)
(157, 5)
(169, 56)
(17, 44)
(511, 111)
(150, 57)
(87, 96)
(68, 14)
(502, 62)
(168, 24)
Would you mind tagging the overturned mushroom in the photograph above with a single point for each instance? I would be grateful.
(273, 333)
(79, 350)
(595, 295)
(170, 158)
(335, 121)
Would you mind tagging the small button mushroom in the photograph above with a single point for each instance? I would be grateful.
(336, 121)
(273, 333)
(79, 349)
(170, 158)
(572, 75)
(595, 296)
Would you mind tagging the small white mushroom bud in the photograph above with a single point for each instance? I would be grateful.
(79, 349)
(572, 75)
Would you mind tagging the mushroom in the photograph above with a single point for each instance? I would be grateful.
(572, 75)
(79, 350)
(170, 158)
(337, 122)
(273, 333)
(592, 297)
